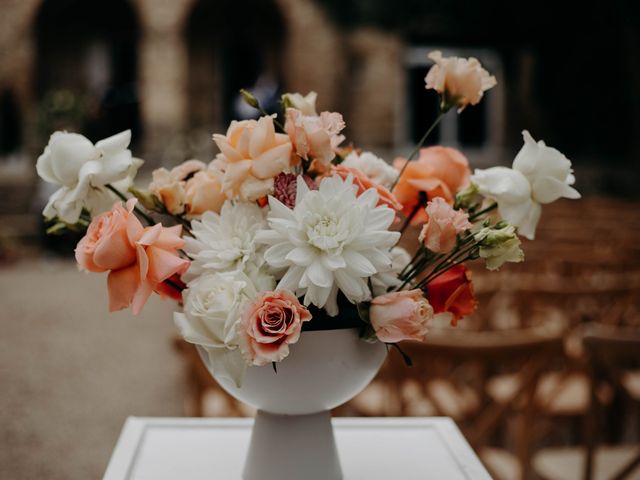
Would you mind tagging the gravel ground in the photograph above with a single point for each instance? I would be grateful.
(70, 372)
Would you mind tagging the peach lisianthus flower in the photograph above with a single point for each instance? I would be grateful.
(402, 315)
(315, 136)
(252, 154)
(444, 224)
(385, 197)
(438, 172)
(203, 192)
(271, 323)
(169, 186)
(460, 81)
(138, 259)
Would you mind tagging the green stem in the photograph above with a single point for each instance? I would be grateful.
(137, 209)
(491, 207)
(418, 146)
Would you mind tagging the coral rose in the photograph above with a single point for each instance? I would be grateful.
(385, 197)
(441, 230)
(139, 259)
(271, 323)
(315, 137)
(438, 172)
(460, 81)
(398, 316)
(252, 154)
(452, 292)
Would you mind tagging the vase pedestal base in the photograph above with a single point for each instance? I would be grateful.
(292, 446)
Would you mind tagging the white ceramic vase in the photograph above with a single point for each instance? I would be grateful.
(292, 436)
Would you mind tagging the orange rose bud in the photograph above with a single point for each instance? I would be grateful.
(452, 292)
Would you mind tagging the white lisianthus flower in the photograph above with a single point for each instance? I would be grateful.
(331, 240)
(375, 168)
(226, 241)
(540, 175)
(83, 169)
(498, 246)
(306, 104)
(212, 311)
(385, 279)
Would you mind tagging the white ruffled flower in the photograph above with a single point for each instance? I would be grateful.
(383, 280)
(331, 240)
(540, 175)
(375, 168)
(212, 311)
(226, 241)
(306, 104)
(83, 169)
(498, 246)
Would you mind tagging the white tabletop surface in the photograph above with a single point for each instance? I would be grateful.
(369, 448)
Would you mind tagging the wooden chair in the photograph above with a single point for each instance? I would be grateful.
(612, 359)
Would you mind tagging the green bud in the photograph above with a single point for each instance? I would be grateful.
(250, 99)
(499, 245)
(147, 199)
(467, 197)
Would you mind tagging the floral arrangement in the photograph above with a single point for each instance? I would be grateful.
(287, 230)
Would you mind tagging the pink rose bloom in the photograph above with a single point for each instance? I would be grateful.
(444, 224)
(203, 192)
(398, 316)
(169, 186)
(252, 154)
(461, 81)
(269, 325)
(139, 259)
(365, 183)
(315, 137)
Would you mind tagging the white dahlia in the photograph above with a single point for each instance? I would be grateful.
(332, 240)
(226, 241)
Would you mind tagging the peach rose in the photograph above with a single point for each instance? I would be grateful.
(269, 325)
(364, 183)
(252, 154)
(460, 81)
(438, 172)
(398, 316)
(203, 192)
(139, 259)
(169, 186)
(106, 245)
(441, 230)
(452, 292)
(315, 137)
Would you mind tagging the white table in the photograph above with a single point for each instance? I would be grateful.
(369, 449)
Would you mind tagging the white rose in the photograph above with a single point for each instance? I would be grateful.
(540, 175)
(212, 310)
(373, 167)
(306, 104)
(83, 169)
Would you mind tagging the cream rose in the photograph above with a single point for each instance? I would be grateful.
(398, 316)
(252, 154)
(169, 186)
(460, 81)
(83, 170)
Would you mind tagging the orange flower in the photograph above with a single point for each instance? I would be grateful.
(438, 172)
(452, 292)
(364, 183)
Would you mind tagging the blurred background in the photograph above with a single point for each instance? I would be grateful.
(544, 380)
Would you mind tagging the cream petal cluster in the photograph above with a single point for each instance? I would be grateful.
(213, 306)
(375, 168)
(498, 246)
(540, 175)
(306, 104)
(460, 81)
(226, 241)
(332, 240)
(252, 154)
(315, 136)
(82, 170)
